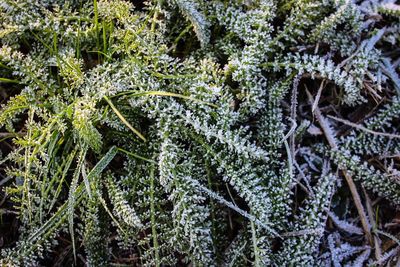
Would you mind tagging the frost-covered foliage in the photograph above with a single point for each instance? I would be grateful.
(182, 133)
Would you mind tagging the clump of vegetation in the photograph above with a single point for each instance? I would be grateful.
(199, 133)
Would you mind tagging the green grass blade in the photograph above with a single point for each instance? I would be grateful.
(122, 118)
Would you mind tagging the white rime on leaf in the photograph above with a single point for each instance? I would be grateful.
(201, 26)
(345, 226)
(122, 209)
(390, 71)
(360, 260)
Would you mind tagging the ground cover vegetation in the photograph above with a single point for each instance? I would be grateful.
(199, 133)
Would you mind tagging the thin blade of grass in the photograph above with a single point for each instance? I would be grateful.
(62, 213)
(122, 118)
(72, 197)
(6, 80)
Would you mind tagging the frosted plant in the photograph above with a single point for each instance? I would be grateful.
(254, 28)
(317, 66)
(195, 133)
(344, 225)
(349, 18)
(122, 209)
(200, 23)
(341, 251)
(372, 141)
(94, 235)
(311, 222)
(371, 178)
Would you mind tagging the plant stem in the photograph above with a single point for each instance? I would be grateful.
(153, 218)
